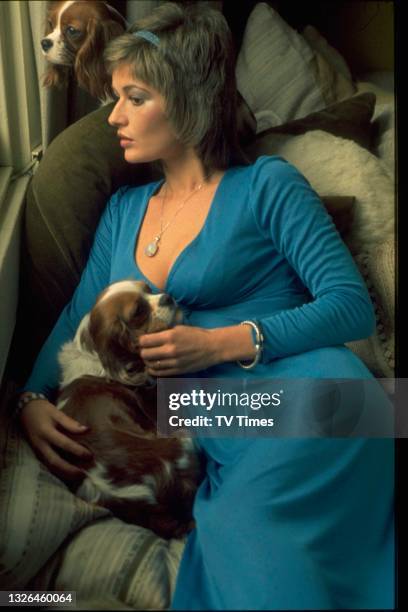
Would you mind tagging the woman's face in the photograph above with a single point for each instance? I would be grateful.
(139, 116)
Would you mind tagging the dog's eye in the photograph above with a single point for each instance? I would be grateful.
(72, 31)
(139, 313)
(138, 310)
(49, 22)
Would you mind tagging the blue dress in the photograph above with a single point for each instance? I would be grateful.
(280, 523)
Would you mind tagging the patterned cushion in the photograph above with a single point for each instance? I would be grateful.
(279, 74)
(52, 540)
(129, 565)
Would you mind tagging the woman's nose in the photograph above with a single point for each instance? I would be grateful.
(117, 116)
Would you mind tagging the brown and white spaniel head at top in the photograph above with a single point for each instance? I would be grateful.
(107, 340)
(75, 37)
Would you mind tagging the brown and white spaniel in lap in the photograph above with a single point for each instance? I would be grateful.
(141, 477)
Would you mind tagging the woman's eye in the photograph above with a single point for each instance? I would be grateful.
(136, 101)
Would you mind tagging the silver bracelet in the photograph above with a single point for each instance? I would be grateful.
(28, 396)
(259, 339)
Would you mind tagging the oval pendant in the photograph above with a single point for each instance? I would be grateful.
(152, 248)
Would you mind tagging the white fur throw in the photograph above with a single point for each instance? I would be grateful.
(335, 166)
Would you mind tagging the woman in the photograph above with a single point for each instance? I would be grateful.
(269, 291)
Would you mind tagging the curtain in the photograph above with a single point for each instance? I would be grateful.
(30, 115)
(19, 96)
(53, 103)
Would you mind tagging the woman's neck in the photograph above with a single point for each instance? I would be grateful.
(184, 175)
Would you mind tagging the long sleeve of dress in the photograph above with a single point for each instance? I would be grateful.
(288, 210)
(45, 375)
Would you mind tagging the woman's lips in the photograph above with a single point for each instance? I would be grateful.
(124, 142)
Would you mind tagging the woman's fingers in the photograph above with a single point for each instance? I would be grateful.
(170, 367)
(154, 339)
(162, 367)
(163, 363)
(58, 465)
(164, 373)
(68, 423)
(165, 352)
(58, 439)
(40, 421)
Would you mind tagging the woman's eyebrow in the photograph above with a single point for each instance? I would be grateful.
(127, 88)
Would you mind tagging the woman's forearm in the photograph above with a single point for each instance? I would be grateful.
(233, 343)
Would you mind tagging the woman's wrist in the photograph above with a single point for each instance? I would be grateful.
(27, 397)
(234, 343)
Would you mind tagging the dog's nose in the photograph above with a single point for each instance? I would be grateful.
(46, 44)
(166, 300)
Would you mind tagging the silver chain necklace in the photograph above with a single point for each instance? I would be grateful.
(153, 246)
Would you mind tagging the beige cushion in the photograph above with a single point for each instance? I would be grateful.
(333, 57)
(38, 513)
(52, 540)
(129, 567)
(377, 267)
(278, 73)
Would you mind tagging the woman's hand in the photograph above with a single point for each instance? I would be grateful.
(42, 423)
(191, 349)
(178, 350)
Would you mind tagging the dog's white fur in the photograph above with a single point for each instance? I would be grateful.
(55, 55)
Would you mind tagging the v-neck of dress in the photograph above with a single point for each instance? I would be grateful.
(155, 188)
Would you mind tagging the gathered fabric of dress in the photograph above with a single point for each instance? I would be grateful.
(284, 523)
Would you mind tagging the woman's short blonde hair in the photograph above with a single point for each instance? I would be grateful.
(193, 68)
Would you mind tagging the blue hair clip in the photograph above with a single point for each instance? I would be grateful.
(148, 36)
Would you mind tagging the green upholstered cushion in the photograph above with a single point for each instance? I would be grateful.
(80, 170)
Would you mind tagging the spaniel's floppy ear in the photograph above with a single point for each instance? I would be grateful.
(113, 339)
(89, 64)
(56, 76)
(129, 331)
(122, 356)
(86, 340)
